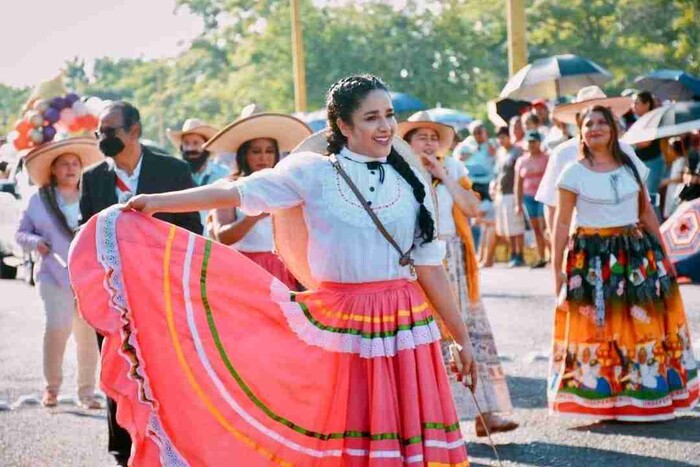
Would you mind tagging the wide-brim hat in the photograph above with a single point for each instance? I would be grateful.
(587, 97)
(38, 161)
(192, 126)
(423, 119)
(288, 131)
(289, 226)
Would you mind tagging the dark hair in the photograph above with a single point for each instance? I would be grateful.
(343, 98)
(242, 157)
(678, 146)
(503, 131)
(409, 136)
(618, 154)
(532, 117)
(130, 114)
(647, 98)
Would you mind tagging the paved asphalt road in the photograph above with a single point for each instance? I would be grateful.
(519, 303)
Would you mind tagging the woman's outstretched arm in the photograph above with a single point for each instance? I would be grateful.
(214, 196)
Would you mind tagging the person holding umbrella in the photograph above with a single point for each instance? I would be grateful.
(456, 202)
(47, 227)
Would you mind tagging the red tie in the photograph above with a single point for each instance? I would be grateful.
(122, 185)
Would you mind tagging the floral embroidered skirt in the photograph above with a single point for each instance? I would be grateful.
(492, 393)
(210, 367)
(622, 347)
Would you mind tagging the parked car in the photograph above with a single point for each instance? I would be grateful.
(14, 192)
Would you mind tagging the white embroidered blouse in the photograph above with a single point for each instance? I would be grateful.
(604, 199)
(344, 244)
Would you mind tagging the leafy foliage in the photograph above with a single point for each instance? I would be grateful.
(451, 52)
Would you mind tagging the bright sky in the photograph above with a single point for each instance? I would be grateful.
(38, 37)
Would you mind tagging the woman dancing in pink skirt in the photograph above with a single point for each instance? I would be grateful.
(215, 362)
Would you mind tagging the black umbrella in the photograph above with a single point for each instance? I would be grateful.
(675, 85)
(502, 110)
(552, 77)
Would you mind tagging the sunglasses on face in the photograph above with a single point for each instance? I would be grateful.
(108, 132)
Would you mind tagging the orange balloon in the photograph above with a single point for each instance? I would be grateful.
(22, 141)
(23, 127)
(75, 127)
(90, 122)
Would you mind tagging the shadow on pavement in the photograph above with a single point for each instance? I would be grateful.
(528, 393)
(539, 453)
(98, 415)
(681, 429)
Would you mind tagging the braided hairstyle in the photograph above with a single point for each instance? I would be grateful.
(343, 98)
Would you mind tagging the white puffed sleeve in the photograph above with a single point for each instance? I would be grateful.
(284, 186)
(570, 178)
(431, 253)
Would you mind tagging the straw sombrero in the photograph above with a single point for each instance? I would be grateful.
(423, 119)
(285, 129)
(289, 227)
(587, 97)
(38, 161)
(191, 126)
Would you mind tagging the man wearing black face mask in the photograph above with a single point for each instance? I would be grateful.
(190, 140)
(129, 169)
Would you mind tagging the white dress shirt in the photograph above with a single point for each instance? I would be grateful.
(131, 181)
(344, 244)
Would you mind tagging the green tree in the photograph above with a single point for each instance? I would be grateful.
(11, 101)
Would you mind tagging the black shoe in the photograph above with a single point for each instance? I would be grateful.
(540, 264)
(121, 460)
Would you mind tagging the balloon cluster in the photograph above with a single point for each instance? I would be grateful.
(65, 115)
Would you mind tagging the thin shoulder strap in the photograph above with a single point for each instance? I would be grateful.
(405, 258)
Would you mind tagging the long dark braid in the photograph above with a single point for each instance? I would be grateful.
(48, 197)
(343, 98)
(425, 220)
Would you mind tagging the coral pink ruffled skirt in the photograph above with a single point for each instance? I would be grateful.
(272, 263)
(214, 362)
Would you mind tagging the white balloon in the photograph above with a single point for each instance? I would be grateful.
(95, 105)
(8, 151)
(80, 108)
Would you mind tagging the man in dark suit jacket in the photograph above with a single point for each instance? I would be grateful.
(130, 168)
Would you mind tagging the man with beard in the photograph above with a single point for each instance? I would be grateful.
(190, 140)
(130, 168)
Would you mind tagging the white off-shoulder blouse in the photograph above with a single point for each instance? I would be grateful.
(344, 244)
(604, 199)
